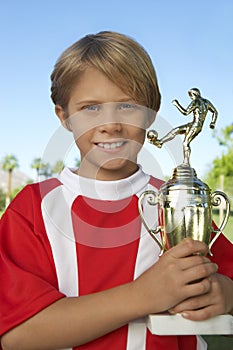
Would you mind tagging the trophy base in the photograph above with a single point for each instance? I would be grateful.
(165, 324)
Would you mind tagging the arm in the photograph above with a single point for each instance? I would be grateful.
(184, 111)
(214, 115)
(71, 322)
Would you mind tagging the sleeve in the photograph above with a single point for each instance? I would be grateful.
(27, 274)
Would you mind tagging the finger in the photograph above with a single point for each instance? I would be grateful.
(194, 260)
(194, 303)
(202, 314)
(199, 272)
(188, 247)
(201, 287)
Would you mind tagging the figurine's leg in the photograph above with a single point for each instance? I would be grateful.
(153, 135)
(170, 136)
(187, 152)
(192, 132)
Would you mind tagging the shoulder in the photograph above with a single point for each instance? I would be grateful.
(28, 200)
(39, 189)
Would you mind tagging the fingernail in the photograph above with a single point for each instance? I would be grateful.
(185, 314)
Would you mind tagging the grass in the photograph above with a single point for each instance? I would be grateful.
(218, 342)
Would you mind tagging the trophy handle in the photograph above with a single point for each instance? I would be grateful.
(152, 199)
(216, 201)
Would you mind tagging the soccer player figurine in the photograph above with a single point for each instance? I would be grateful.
(200, 107)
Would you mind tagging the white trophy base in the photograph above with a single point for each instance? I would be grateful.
(165, 324)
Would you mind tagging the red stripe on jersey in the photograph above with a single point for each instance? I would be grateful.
(104, 268)
(170, 342)
(104, 260)
(95, 212)
(114, 224)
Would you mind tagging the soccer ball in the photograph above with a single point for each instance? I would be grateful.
(152, 135)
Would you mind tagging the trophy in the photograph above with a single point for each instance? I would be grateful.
(184, 204)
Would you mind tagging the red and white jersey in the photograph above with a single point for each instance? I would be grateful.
(74, 236)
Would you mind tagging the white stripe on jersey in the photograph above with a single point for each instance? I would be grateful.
(148, 252)
(56, 212)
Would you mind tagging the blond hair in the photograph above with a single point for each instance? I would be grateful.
(118, 56)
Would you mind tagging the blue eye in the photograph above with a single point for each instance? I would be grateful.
(94, 108)
(127, 106)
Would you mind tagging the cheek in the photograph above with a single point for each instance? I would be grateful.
(138, 134)
(82, 133)
(80, 126)
(83, 145)
(143, 119)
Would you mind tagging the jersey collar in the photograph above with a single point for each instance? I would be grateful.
(104, 190)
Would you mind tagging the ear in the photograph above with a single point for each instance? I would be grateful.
(63, 116)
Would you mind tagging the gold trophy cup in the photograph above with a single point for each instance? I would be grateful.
(185, 209)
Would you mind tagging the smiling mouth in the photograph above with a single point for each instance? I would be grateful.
(110, 145)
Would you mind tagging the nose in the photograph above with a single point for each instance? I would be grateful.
(110, 121)
(110, 127)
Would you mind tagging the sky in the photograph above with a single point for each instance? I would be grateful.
(189, 42)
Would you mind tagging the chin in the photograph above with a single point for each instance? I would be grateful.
(118, 169)
(118, 164)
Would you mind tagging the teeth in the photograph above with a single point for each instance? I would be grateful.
(110, 145)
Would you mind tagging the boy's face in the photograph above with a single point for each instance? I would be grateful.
(108, 126)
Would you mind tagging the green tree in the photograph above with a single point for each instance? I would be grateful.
(9, 163)
(45, 170)
(223, 165)
(2, 201)
(42, 169)
(36, 164)
(225, 137)
(58, 167)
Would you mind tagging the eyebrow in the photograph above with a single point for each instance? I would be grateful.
(84, 102)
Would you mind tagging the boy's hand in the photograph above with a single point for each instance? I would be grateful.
(170, 281)
(218, 300)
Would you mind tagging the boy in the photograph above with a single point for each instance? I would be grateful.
(78, 269)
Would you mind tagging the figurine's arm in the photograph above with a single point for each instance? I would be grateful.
(214, 115)
(184, 111)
